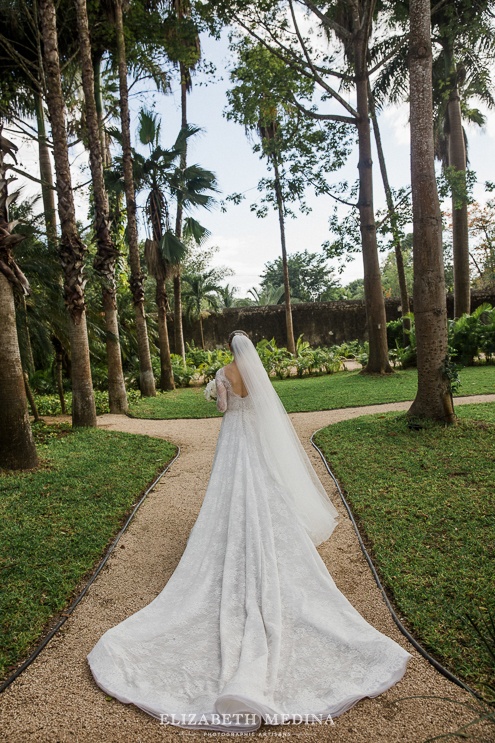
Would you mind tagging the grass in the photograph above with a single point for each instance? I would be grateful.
(425, 500)
(327, 392)
(56, 522)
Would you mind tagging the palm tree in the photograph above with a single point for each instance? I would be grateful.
(463, 46)
(227, 296)
(136, 282)
(433, 398)
(107, 254)
(267, 294)
(17, 449)
(267, 129)
(163, 177)
(200, 296)
(162, 253)
(184, 49)
(71, 248)
(455, 88)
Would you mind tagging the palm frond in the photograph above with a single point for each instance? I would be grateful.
(193, 229)
(171, 248)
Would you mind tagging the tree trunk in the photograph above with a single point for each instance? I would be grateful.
(178, 329)
(433, 398)
(59, 363)
(71, 247)
(146, 378)
(117, 396)
(23, 334)
(404, 296)
(166, 374)
(99, 108)
(46, 175)
(201, 331)
(30, 397)
(291, 346)
(378, 361)
(17, 449)
(460, 234)
(107, 254)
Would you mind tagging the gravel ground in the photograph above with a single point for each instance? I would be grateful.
(56, 699)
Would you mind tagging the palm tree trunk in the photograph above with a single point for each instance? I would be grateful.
(107, 254)
(17, 449)
(146, 378)
(433, 398)
(404, 295)
(378, 361)
(201, 331)
(71, 247)
(23, 334)
(99, 107)
(30, 397)
(166, 374)
(46, 175)
(58, 361)
(460, 234)
(178, 329)
(291, 346)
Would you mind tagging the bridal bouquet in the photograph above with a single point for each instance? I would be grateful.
(211, 390)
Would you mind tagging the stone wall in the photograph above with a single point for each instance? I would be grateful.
(321, 323)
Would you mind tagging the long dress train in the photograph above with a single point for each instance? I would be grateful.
(251, 625)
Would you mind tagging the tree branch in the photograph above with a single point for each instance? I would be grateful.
(323, 117)
(301, 69)
(340, 30)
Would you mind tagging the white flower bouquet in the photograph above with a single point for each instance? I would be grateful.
(211, 390)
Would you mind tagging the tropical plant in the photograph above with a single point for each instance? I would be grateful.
(433, 399)
(107, 254)
(183, 49)
(227, 296)
(200, 296)
(17, 448)
(136, 278)
(266, 294)
(71, 248)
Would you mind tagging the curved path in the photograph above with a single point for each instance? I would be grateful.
(56, 700)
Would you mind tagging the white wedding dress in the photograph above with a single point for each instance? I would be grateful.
(250, 626)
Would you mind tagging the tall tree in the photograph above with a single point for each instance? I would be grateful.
(350, 22)
(200, 296)
(17, 449)
(433, 398)
(146, 378)
(71, 248)
(183, 48)
(399, 259)
(463, 38)
(291, 144)
(107, 254)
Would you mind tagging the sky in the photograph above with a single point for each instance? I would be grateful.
(246, 242)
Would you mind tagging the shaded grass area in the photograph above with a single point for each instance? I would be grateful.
(327, 392)
(56, 522)
(426, 501)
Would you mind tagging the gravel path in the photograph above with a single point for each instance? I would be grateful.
(56, 699)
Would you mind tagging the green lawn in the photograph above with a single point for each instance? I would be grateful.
(426, 501)
(56, 522)
(341, 390)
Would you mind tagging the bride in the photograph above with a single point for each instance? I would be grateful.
(251, 626)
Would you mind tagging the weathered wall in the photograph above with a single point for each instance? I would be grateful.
(322, 323)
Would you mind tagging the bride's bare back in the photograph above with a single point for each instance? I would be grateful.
(233, 375)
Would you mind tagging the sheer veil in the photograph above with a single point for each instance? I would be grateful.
(289, 463)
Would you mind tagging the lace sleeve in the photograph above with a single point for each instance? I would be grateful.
(221, 392)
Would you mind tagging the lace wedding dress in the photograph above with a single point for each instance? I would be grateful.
(250, 626)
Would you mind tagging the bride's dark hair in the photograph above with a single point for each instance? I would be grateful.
(236, 332)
